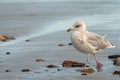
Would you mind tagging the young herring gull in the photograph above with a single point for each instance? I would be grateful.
(88, 42)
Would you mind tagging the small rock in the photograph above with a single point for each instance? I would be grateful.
(117, 62)
(25, 70)
(8, 53)
(61, 45)
(84, 74)
(68, 63)
(89, 70)
(5, 38)
(7, 70)
(113, 56)
(116, 73)
(27, 40)
(59, 69)
(69, 43)
(40, 60)
(78, 65)
(52, 66)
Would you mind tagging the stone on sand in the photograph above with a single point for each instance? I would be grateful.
(89, 70)
(61, 45)
(68, 63)
(116, 73)
(5, 38)
(40, 60)
(117, 62)
(113, 56)
(52, 66)
(25, 70)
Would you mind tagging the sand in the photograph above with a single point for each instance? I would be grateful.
(44, 24)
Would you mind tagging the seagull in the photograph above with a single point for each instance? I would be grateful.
(88, 42)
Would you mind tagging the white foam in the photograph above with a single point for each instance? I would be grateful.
(64, 24)
(49, 29)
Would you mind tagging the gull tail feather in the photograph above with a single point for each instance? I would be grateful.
(111, 46)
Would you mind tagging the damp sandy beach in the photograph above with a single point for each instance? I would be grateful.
(39, 27)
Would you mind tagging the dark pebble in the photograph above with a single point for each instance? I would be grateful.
(8, 53)
(84, 74)
(116, 73)
(113, 56)
(116, 61)
(87, 66)
(25, 70)
(52, 66)
(59, 69)
(78, 65)
(27, 40)
(40, 60)
(7, 70)
(60, 45)
(69, 43)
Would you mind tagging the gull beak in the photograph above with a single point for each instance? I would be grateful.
(70, 29)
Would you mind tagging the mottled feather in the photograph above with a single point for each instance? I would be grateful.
(98, 41)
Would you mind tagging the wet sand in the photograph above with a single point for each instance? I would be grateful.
(45, 24)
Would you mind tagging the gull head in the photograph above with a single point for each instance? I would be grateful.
(78, 26)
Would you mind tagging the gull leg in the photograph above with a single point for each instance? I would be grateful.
(87, 61)
(99, 64)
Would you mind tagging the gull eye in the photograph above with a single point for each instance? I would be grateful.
(77, 26)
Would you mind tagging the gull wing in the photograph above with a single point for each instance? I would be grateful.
(98, 41)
